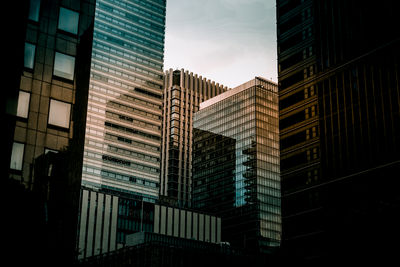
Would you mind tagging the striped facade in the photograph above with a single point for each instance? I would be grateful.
(183, 93)
(107, 220)
(122, 142)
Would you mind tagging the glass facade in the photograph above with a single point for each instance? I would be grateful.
(236, 163)
(122, 142)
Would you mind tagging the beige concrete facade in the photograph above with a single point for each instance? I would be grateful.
(183, 93)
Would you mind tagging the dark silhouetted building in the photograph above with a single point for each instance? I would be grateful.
(339, 128)
(47, 84)
(236, 164)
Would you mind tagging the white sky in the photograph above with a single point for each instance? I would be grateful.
(227, 41)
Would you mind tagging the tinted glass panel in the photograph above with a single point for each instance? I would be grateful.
(68, 20)
(29, 56)
(64, 66)
(59, 113)
(23, 104)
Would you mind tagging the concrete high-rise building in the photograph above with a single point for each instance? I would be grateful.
(236, 164)
(123, 130)
(339, 129)
(183, 93)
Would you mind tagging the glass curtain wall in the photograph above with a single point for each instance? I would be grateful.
(122, 144)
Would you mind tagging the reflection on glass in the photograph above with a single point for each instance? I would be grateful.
(17, 156)
(29, 56)
(64, 66)
(23, 104)
(59, 113)
(68, 20)
(34, 9)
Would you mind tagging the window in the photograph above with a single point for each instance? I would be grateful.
(59, 113)
(29, 56)
(34, 9)
(17, 156)
(68, 20)
(64, 66)
(23, 104)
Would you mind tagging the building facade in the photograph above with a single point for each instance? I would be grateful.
(183, 93)
(107, 221)
(51, 88)
(123, 140)
(339, 127)
(236, 164)
(46, 107)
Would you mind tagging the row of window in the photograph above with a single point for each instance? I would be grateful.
(68, 20)
(113, 137)
(119, 176)
(64, 65)
(59, 112)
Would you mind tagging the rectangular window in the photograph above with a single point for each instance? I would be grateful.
(17, 156)
(29, 56)
(64, 66)
(23, 104)
(68, 20)
(34, 9)
(59, 113)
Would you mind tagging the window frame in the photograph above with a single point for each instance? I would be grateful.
(22, 158)
(77, 23)
(29, 103)
(34, 56)
(59, 127)
(59, 77)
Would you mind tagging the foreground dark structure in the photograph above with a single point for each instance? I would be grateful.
(339, 128)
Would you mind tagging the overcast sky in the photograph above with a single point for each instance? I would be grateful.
(226, 41)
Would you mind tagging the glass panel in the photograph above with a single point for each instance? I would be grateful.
(29, 56)
(17, 156)
(68, 20)
(34, 9)
(59, 113)
(23, 104)
(64, 66)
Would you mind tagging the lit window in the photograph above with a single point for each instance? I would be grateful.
(34, 9)
(23, 104)
(64, 66)
(68, 20)
(17, 156)
(59, 113)
(29, 56)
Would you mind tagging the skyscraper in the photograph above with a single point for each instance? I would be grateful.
(183, 93)
(339, 127)
(123, 129)
(122, 142)
(236, 164)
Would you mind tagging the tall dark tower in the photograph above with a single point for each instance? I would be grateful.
(339, 128)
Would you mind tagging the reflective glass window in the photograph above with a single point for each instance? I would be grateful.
(17, 156)
(68, 20)
(23, 104)
(59, 113)
(34, 9)
(64, 66)
(29, 55)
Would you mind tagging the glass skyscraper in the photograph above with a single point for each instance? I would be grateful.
(236, 163)
(122, 142)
